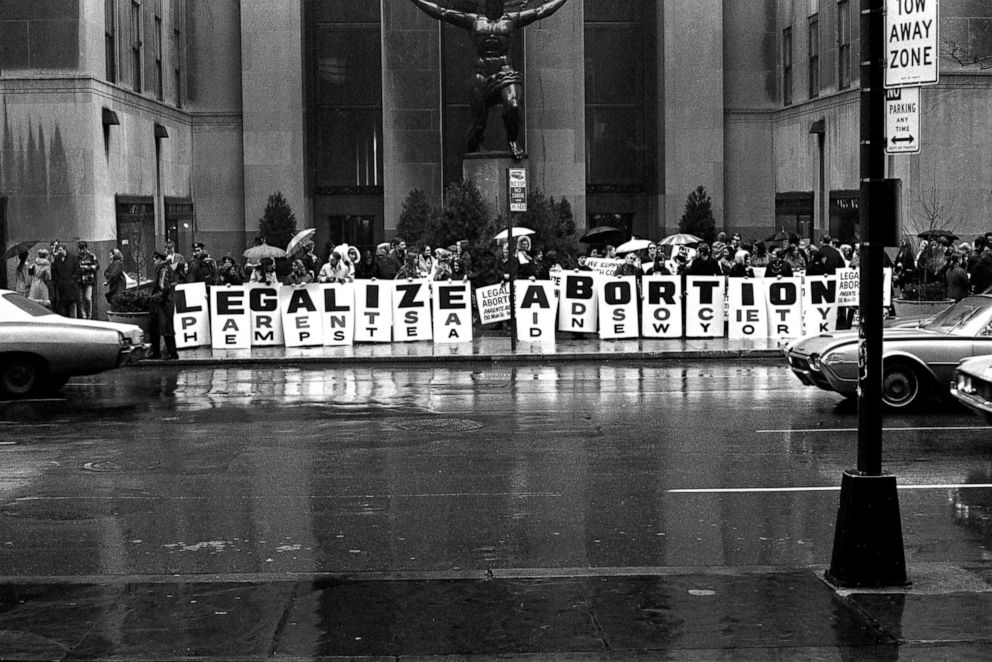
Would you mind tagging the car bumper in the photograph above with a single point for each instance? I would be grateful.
(133, 354)
(806, 374)
(975, 401)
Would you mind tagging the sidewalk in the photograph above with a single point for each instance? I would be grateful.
(492, 347)
(586, 614)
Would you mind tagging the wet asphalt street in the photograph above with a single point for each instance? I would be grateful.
(315, 511)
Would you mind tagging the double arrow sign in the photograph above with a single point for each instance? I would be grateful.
(902, 120)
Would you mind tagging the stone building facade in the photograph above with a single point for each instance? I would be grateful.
(126, 122)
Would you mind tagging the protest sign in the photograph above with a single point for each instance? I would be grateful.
(785, 307)
(301, 316)
(230, 319)
(338, 313)
(373, 311)
(536, 309)
(661, 314)
(578, 305)
(819, 304)
(603, 265)
(412, 310)
(266, 319)
(493, 302)
(452, 311)
(192, 318)
(704, 309)
(617, 307)
(748, 314)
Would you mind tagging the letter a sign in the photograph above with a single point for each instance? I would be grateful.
(911, 55)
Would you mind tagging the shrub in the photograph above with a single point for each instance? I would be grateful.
(131, 301)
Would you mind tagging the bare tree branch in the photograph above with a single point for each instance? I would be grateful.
(966, 57)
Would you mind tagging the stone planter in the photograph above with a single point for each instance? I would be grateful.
(138, 319)
(912, 308)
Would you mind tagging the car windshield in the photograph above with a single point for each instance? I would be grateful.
(32, 308)
(968, 317)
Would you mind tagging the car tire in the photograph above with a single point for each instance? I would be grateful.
(20, 376)
(901, 385)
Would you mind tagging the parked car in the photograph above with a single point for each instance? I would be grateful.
(40, 350)
(972, 385)
(917, 360)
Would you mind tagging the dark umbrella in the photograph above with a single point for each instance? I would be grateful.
(603, 234)
(782, 235)
(19, 248)
(930, 235)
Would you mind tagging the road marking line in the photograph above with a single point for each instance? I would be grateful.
(919, 429)
(739, 490)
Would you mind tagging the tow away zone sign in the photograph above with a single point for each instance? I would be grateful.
(911, 54)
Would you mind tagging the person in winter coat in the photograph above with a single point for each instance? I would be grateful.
(161, 308)
(22, 274)
(66, 276)
(41, 280)
(228, 273)
(89, 265)
(113, 275)
(956, 279)
(742, 266)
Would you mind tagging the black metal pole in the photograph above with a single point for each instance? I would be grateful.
(872, 164)
(511, 264)
(868, 549)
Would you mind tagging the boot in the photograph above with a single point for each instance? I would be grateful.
(170, 348)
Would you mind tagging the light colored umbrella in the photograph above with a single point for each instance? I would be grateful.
(517, 232)
(264, 250)
(634, 244)
(297, 241)
(680, 239)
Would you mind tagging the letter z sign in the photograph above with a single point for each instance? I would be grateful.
(911, 56)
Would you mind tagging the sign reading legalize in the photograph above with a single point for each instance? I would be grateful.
(315, 315)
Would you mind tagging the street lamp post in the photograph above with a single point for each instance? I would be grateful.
(868, 549)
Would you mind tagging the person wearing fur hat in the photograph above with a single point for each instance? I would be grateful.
(228, 272)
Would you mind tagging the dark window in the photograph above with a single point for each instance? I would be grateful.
(814, 56)
(843, 44)
(352, 230)
(159, 91)
(177, 50)
(347, 89)
(787, 66)
(136, 45)
(110, 38)
(616, 95)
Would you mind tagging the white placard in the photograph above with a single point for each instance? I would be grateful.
(452, 305)
(192, 318)
(536, 310)
(617, 307)
(373, 310)
(578, 305)
(661, 307)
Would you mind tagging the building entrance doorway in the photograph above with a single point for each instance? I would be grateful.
(136, 235)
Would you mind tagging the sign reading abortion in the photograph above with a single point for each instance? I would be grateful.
(322, 314)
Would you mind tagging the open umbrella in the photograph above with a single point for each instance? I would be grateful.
(634, 244)
(19, 248)
(930, 235)
(298, 240)
(680, 239)
(517, 232)
(602, 234)
(264, 250)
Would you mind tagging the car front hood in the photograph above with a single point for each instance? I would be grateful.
(131, 331)
(819, 344)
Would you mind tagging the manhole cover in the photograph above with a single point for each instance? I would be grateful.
(119, 466)
(68, 508)
(438, 425)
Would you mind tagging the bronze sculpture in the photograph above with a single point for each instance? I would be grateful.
(495, 81)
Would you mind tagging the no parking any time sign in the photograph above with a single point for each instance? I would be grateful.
(911, 54)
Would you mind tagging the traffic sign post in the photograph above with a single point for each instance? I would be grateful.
(902, 120)
(911, 46)
(516, 193)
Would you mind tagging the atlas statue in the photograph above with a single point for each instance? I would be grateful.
(495, 81)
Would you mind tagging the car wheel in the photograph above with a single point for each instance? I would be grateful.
(901, 385)
(20, 376)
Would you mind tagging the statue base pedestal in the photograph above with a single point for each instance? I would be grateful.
(487, 170)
